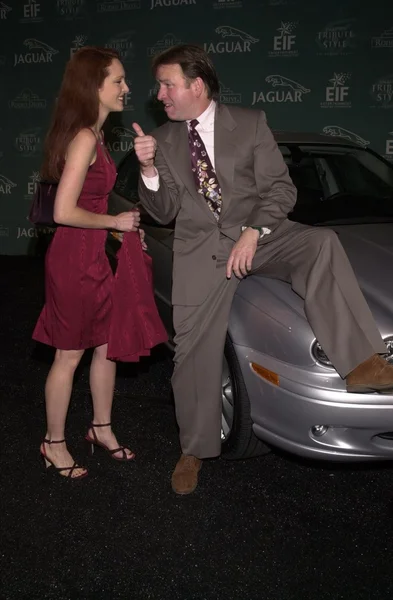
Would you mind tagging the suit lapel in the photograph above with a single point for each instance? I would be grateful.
(224, 153)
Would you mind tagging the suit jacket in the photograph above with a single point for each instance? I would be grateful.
(255, 185)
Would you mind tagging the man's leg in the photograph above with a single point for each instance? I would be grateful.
(315, 263)
(196, 381)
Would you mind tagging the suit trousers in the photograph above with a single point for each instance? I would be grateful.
(313, 261)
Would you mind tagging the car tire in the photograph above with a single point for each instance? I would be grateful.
(240, 441)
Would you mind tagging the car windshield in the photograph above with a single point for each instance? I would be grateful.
(339, 184)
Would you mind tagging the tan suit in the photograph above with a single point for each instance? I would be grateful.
(256, 190)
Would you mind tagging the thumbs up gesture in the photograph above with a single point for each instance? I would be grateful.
(145, 149)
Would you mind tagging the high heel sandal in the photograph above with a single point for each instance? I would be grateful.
(95, 442)
(50, 464)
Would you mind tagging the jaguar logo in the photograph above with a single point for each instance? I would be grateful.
(226, 31)
(277, 80)
(123, 132)
(33, 43)
(337, 131)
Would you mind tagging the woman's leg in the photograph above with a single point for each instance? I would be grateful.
(58, 390)
(102, 385)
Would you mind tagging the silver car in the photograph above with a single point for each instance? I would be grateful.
(278, 387)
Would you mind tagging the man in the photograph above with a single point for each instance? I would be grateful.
(217, 170)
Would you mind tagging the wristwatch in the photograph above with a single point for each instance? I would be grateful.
(261, 230)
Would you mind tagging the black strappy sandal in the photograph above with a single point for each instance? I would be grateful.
(95, 442)
(49, 464)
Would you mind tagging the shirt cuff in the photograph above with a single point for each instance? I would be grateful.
(152, 183)
(263, 230)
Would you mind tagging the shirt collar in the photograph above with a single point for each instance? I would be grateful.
(206, 119)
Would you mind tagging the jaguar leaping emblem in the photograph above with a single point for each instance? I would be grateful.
(227, 31)
(123, 132)
(5, 181)
(277, 80)
(337, 131)
(32, 43)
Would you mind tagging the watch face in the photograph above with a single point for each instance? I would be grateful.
(260, 229)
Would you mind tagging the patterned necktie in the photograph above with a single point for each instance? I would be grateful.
(204, 174)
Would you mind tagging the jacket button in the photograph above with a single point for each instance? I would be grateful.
(214, 257)
(219, 225)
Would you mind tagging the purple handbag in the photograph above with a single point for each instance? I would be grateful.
(41, 211)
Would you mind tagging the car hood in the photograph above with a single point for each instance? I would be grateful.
(370, 251)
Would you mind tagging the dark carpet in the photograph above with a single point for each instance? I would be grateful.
(272, 528)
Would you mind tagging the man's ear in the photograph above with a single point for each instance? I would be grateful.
(199, 86)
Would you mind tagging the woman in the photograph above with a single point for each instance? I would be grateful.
(78, 284)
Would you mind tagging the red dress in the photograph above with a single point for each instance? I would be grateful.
(85, 304)
(78, 277)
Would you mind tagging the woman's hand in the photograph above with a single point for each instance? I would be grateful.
(128, 221)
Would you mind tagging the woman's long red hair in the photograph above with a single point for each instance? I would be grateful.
(77, 104)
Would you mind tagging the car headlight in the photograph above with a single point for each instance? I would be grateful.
(389, 344)
(321, 358)
(319, 355)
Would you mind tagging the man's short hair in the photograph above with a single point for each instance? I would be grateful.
(194, 63)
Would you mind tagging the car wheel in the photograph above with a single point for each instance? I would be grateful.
(238, 438)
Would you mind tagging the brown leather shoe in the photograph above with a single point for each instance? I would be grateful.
(372, 375)
(185, 475)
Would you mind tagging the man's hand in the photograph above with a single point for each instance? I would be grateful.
(142, 238)
(119, 235)
(145, 149)
(240, 259)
